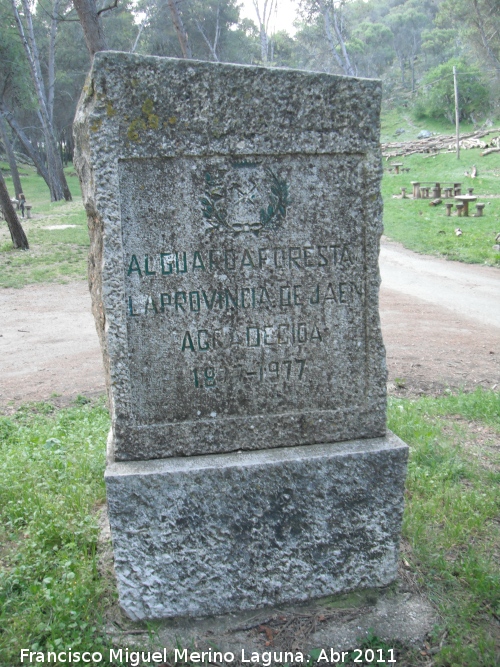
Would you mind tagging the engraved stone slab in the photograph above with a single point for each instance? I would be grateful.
(222, 533)
(235, 218)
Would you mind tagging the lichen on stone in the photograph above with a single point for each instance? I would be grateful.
(134, 127)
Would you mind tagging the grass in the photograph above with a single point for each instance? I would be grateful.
(52, 594)
(51, 482)
(452, 518)
(427, 229)
(393, 120)
(58, 255)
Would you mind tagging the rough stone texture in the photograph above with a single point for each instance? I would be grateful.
(228, 532)
(235, 218)
(391, 615)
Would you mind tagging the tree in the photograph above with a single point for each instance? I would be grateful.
(16, 92)
(58, 185)
(179, 29)
(212, 27)
(284, 50)
(264, 11)
(16, 231)
(407, 23)
(90, 19)
(27, 144)
(437, 98)
(332, 14)
(479, 22)
(371, 48)
(440, 45)
(211, 35)
(312, 50)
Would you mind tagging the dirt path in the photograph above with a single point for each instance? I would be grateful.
(467, 289)
(440, 320)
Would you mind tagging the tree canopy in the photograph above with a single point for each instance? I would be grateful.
(46, 48)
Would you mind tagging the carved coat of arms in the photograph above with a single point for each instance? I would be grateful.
(244, 200)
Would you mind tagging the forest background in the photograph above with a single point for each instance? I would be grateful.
(412, 45)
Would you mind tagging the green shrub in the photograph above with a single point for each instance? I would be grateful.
(437, 95)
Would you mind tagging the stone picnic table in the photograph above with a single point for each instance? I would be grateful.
(465, 199)
(396, 166)
(424, 192)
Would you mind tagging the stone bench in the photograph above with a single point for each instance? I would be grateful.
(460, 209)
(449, 206)
(28, 208)
(421, 191)
(479, 210)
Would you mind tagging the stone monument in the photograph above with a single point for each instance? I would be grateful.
(235, 217)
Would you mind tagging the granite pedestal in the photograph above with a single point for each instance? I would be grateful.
(222, 533)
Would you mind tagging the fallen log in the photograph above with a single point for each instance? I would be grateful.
(490, 150)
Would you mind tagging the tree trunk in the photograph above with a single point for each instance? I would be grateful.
(263, 45)
(11, 157)
(338, 31)
(28, 146)
(179, 29)
(52, 60)
(16, 231)
(344, 64)
(263, 19)
(59, 186)
(91, 26)
(212, 47)
(402, 63)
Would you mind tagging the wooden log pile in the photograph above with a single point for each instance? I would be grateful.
(495, 147)
(441, 142)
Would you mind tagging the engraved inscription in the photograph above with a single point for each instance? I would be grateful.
(289, 369)
(248, 259)
(282, 334)
(260, 297)
(248, 275)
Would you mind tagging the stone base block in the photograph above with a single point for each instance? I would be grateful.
(213, 534)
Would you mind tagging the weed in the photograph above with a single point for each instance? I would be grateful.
(81, 400)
